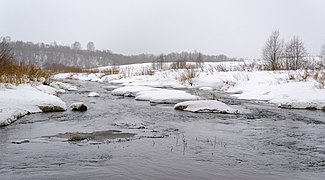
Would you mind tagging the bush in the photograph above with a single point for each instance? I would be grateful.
(188, 75)
(179, 64)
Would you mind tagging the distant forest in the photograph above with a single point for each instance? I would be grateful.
(54, 55)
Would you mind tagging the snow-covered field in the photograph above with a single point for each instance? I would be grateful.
(288, 89)
(17, 101)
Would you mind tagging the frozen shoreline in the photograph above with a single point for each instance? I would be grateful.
(287, 89)
(17, 101)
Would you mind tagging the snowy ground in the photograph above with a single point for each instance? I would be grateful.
(17, 101)
(288, 89)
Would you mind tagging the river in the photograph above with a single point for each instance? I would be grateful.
(263, 142)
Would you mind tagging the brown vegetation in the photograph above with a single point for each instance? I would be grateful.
(14, 72)
(188, 75)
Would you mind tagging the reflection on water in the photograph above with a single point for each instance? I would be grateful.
(262, 143)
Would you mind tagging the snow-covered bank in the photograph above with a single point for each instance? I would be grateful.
(18, 101)
(154, 95)
(288, 89)
(281, 89)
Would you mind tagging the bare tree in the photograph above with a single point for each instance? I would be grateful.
(76, 46)
(6, 57)
(322, 52)
(161, 59)
(90, 46)
(273, 51)
(6, 54)
(199, 60)
(295, 53)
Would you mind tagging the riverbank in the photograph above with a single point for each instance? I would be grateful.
(300, 89)
(265, 142)
(17, 101)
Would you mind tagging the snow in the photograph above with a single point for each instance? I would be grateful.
(155, 95)
(130, 90)
(62, 76)
(206, 88)
(276, 87)
(61, 86)
(108, 78)
(78, 106)
(47, 89)
(73, 88)
(205, 106)
(93, 94)
(25, 99)
(165, 96)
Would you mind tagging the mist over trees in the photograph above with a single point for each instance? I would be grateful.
(54, 55)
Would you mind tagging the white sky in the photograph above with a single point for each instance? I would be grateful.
(236, 28)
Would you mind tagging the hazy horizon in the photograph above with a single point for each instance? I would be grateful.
(232, 27)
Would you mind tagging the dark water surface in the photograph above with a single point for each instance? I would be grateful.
(263, 142)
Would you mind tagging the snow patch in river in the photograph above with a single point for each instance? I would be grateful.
(154, 95)
(205, 106)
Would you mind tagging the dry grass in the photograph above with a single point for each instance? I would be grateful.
(147, 71)
(111, 70)
(14, 72)
(64, 69)
(319, 76)
(18, 73)
(188, 75)
(179, 64)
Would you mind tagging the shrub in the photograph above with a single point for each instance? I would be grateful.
(179, 64)
(188, 75)
(111, 70)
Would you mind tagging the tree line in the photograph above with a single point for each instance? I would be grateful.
(56, 55)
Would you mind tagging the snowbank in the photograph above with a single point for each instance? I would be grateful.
(62, 76)
(63, 86)
(278, 89)
(206, 88)
(165, 96)
(93, 94)
(131, 90)
(275, 87)
(205, 106)
(47, 89)
(155, 95)
(24, 99)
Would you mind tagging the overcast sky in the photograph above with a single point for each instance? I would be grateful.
(236, 28)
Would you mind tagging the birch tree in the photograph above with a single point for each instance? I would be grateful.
(273, 51)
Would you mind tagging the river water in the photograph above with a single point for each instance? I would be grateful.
(263, 142)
